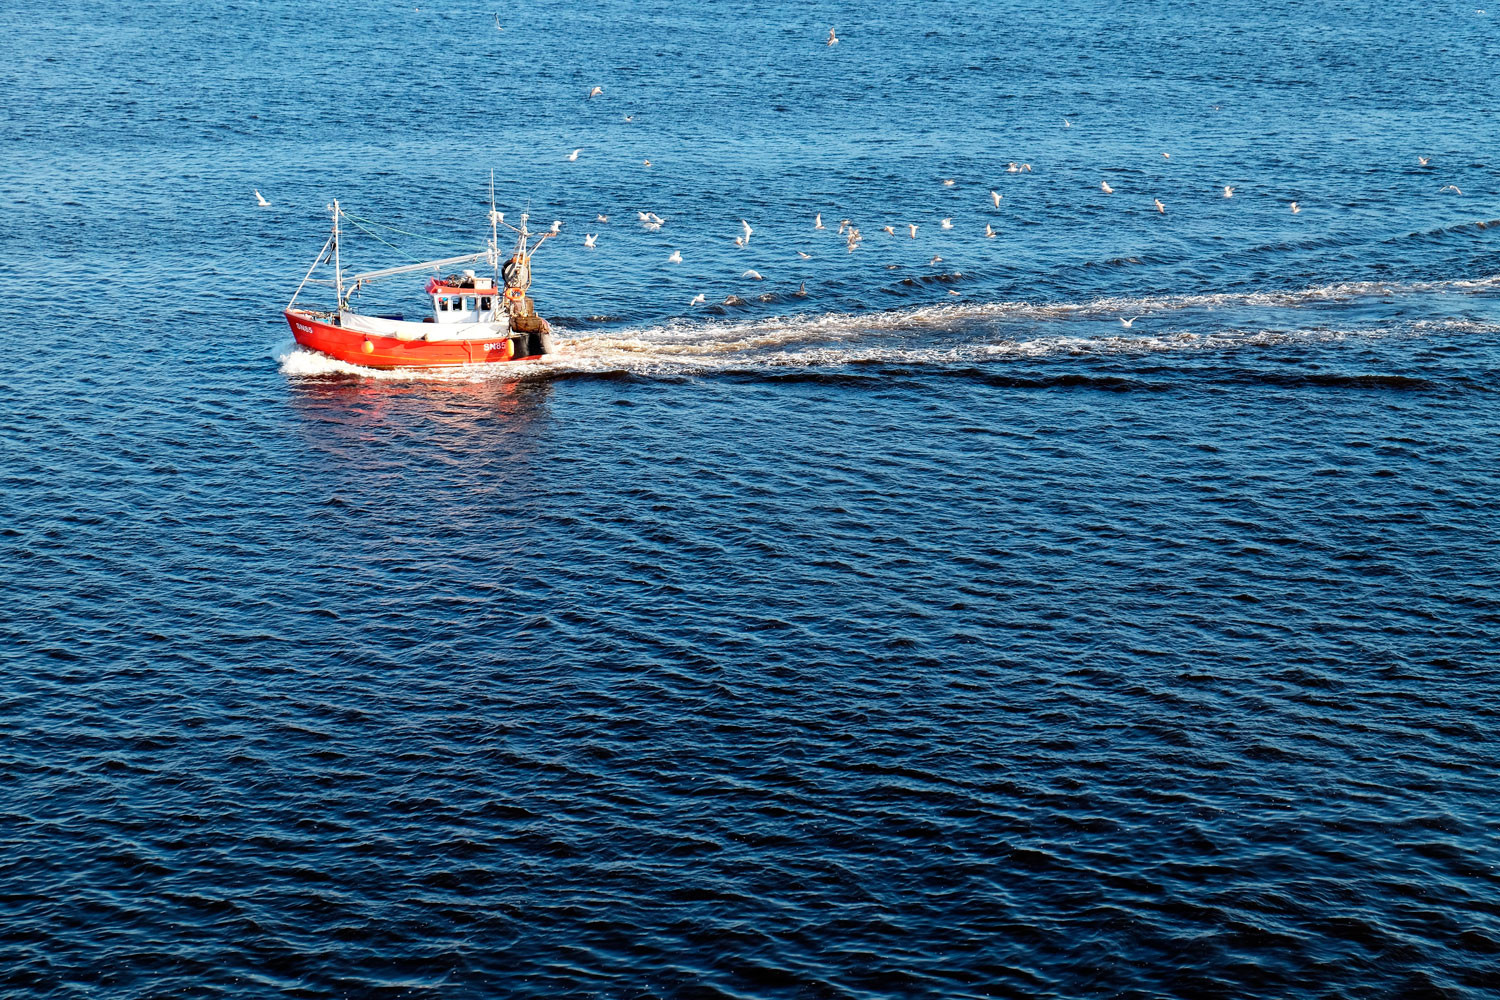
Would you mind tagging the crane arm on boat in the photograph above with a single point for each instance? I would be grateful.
(426, 265)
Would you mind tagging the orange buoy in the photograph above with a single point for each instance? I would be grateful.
(368, 347)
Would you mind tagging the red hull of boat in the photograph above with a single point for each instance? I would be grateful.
(372, 351)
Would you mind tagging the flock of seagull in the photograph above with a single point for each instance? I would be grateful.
(851, 233)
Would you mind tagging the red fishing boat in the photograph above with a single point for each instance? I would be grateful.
(474, 320)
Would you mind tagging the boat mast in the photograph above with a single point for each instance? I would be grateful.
(494, 246)
(338, 271)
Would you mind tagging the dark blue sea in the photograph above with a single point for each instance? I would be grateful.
(930, 634)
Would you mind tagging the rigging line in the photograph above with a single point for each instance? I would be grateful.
(377, 239)
(415, 236)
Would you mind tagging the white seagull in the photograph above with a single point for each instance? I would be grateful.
(818, 221)
(1228, 191)
(1422, 161)
(589, 238)
(676, 257)
(995, 197)
(1104, 186)
(913, 227)
(261, 201)
(1159, 206)
(748, 230)
(935, 260)
(946, 223)
(832, 38)
(948, 183)
(891, 230)
(596, 91)
(698, 299)
(1296, 208)
(989, 231)
(1449, 187)
(1067, 124)
(752, 274)
(601, 218)
(804, 256)
(556, 226)
(1128, 323)
(573, 156)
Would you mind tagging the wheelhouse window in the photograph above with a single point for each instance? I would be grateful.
(469, 303)
(443, 303)
(484, 303)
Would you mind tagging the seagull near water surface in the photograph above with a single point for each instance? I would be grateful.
(833, 39)
(260, 200)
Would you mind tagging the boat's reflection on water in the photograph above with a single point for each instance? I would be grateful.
(357, 419)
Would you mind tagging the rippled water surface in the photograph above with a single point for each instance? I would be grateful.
(929, 634)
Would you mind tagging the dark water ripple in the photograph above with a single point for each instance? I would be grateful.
(877, 643)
